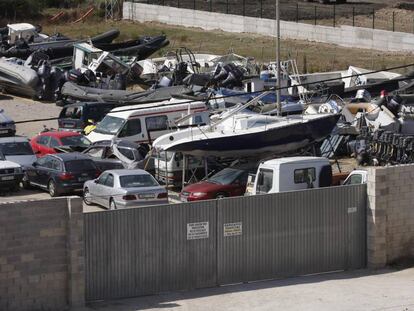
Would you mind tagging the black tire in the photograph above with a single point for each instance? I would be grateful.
(25, 182)
(86, 201)
(51, 187)
(221, 195)
(16, 187)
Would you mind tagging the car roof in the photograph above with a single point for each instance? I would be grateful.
(70, 156)
(13, 139)
(127, 172)
(59, 134)
(294, 160)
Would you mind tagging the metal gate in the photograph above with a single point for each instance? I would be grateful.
(149, 250)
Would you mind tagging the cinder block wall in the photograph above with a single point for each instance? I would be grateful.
(41, 255)
(390, 214)
(347, 36)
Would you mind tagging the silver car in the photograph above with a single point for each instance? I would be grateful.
(115, 189)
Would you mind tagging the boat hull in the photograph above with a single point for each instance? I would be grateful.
(279, 140)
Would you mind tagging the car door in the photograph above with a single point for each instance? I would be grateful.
(97, 188)
(46, 171)
(53, 143)
(239, 185)
(40, 174)
(33, 173)
(133, 131)
(108, 189)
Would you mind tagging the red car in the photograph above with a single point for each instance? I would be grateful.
(229, 182)
(45, 143)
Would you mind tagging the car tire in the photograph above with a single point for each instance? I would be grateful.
(221, 195)
(85, 200)
(51, 187)
(112, 205)
(26, 183)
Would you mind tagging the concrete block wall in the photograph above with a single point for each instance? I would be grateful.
(347, 36)
(41, 255)
(390, 214)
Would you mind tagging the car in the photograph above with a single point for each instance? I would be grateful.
(77, 116)
(11, 174)
(128, 155)
(116, 189)
(50, 142)
(17, 149)
(7, 126)
(228, 182)
(61, 173)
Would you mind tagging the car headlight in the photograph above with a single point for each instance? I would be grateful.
(18, 170)
(199, 194)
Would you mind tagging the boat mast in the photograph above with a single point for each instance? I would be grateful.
(278, 86)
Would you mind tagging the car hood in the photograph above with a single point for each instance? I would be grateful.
(23, 160)
(203, 186)
(8, 164)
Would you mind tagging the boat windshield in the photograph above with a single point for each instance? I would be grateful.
(110, 125)
(225, 177)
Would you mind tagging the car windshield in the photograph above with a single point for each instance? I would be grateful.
(109, 125)
(137, 181)
(80, 165)
(14, 148)
(225, 177)
(78, 140)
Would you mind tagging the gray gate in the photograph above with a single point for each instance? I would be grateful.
(194, 245)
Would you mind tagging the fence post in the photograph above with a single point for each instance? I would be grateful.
(315, 15)
(194, 5)
(297, 12)
(178, 3)
(244, 7)
(393, 21)
(373, 19)
(211, 5)
(334, 15)
(227, 6)
(353, 16)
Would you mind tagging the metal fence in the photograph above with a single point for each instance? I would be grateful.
(194, 245)
(351, 14)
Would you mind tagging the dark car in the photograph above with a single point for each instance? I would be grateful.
(229, 182)
(76, 117)
(104, 156)
(62, 173)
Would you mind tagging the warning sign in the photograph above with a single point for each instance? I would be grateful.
(197, 230)
(233, 229)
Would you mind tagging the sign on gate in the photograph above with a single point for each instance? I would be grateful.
(197, 230)
(233, 229)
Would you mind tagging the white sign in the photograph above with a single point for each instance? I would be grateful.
(197, 230)
(233, 229)
(352, 210)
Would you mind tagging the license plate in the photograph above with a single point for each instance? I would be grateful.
(7, 178)
(147, 196)
(4, 131)
(183, 199)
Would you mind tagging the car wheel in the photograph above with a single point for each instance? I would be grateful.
(221, 195)
(52, 189)
(112, 204)
(25, 182)
(87, 197)
(16, 187)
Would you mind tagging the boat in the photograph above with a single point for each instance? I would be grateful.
(73, 92)
(18, 79)
(56, 49)
(243, 134)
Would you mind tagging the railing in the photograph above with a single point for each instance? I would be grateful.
(351, 14)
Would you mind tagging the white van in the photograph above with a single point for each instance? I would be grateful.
(145, 122)
(291, 173)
